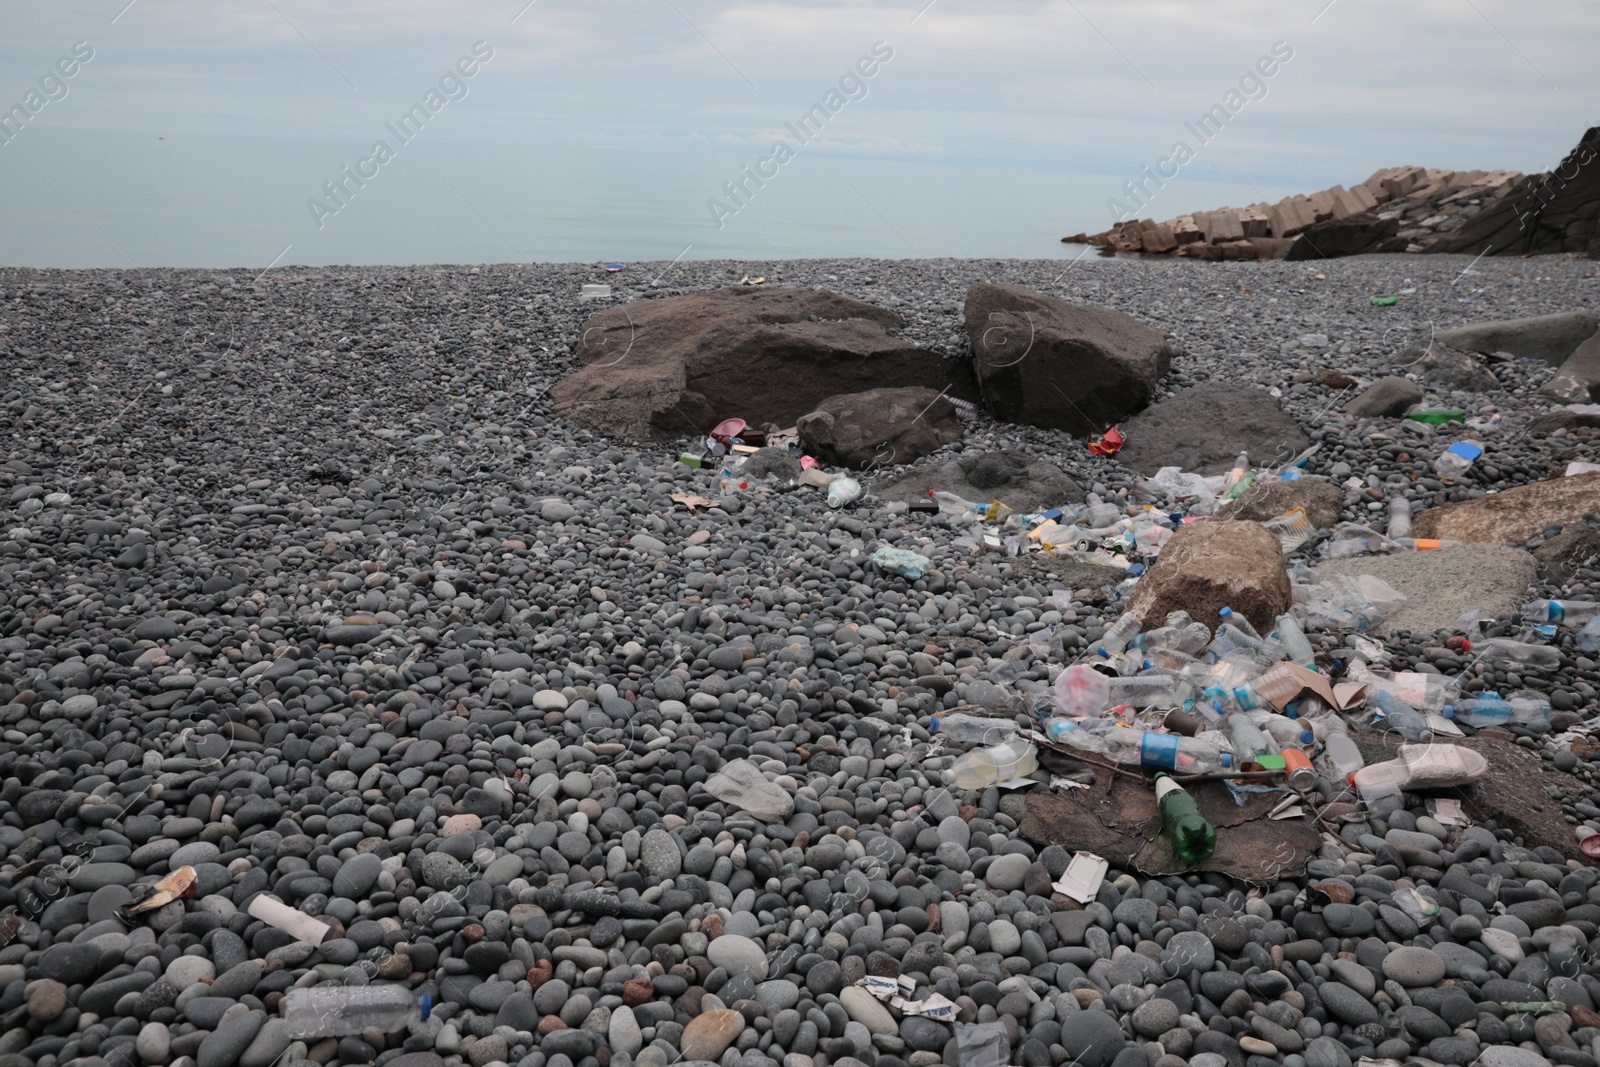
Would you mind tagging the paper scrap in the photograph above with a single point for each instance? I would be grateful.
(1448, 812)
(1081, 880)
(691, 501)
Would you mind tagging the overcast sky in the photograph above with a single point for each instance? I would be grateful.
(202, 128)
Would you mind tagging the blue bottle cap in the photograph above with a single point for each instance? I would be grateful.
(1225, 612)
(425, 1002)
(1449, 711)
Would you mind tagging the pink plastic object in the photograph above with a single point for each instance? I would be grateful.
(728, 429)
(1082, 692)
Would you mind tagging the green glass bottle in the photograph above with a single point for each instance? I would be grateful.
(1437, 416)
(1193, 838)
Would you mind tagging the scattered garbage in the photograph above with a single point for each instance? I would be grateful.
(1193, 838)
(842, 491)
(983, 767)
(178, 885)
(296, 924)
(1562, 612)
(1437, 416)
(908, 565)
(344, 1011)
(1108, 443)
(595, 292)
(960, 727)
(1082, 878)
(982, 1045)
(1457, 459)
(1385, 301)
(741, 783)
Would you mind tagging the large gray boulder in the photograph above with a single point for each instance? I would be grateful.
(1547, 213)
(1204, 427)
(1577, 381)
(1551, 338)
(666, 368)
(1385, 397)
(1045, 362)
(880, 427)
(1353, 235)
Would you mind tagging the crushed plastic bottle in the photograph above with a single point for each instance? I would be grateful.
(1245, 736)
(982, 1045)
(1399, 517)
(1292, 529)
(1148, 690)
(1402, 717)
(983, 767)
(344, 1011)
(1562, 612)
(1118, 635)
(1588, 638)
(1456, 460)
(1517, 653)
(967, 728)
(843, 490)
(1295, 643)
(1491, 709)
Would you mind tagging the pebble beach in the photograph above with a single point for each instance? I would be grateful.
(304, 586)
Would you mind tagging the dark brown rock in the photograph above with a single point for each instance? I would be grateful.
(1045, 362)
(880, 427)
(1548, 213)
(664, 368)
(1349, 236)
(1515, 515)
(1214, 564)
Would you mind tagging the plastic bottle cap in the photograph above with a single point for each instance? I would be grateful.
(1225, 612)
(1449, 711)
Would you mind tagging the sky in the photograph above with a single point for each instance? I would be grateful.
(201, 133)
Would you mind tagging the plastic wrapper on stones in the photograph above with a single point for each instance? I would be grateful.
(982, 1045)
(742, 784)
(908, 565)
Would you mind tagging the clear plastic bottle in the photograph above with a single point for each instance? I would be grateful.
(1491, 709)
(843, 490)
(1230, 638)
(1562, 612)
(1295, 643)
(1399, 517)
(1429, 692)
(1118, 635)
(1241, 467)
(1280, 730)
(1456, 460)
(967, 728)
(1398, 715)
(1238, 622)
(343, 1011)
(1588, 638)
(983, 767)
(1421, 544)
(1517, 653)
(950, 504)
(1173, 752)
(1148, 690)
(1245, 736)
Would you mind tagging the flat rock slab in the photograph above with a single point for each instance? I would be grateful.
(1442, 584)
(1024, 483)
(1551, 338)
(1203, 429)
(1117, 818)
(1511, 517)
(1515, 794)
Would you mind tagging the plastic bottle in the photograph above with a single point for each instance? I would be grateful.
(1456, 460)
(1192, 837)
(1172, 752)
(1437, 416)
(1350, 547)
(1491, 709)
(1100, 514)
(1295, 643)
(1241, 467)
(983, 767)
(976, 728)
(1562, 612)
(1119, 634)
(1245, 736)
(1399, 517)
(1588, 638)
(1282, 731)
(1081, 692)
(1230, 638)
(1517, 653)
(689, 459)
(1238, 622)
(344, 1011)
(1148, 691)
(1398, 715)
(843, 490)
(1421, 544)
(950, 504)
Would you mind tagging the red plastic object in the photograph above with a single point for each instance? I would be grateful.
(1108, 444)
(808, 462)
(1590, 846)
